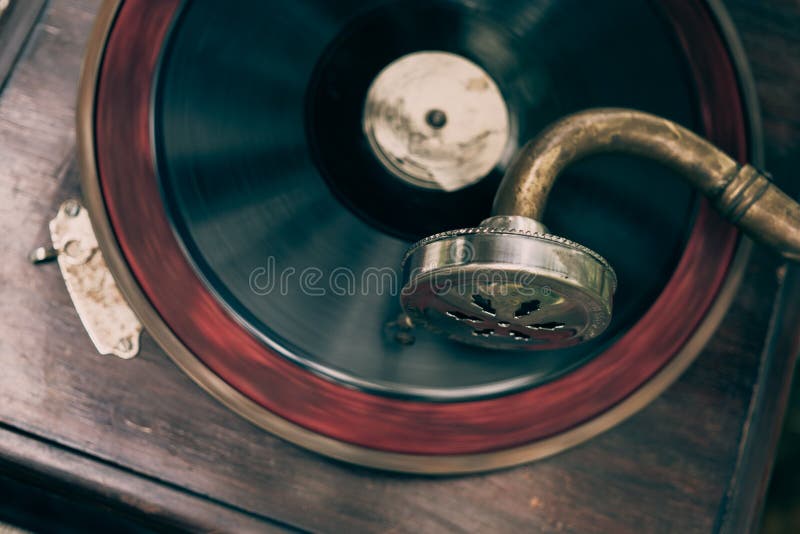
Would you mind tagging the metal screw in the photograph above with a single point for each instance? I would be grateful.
(73, 248)
(72, 207)
(125, 344)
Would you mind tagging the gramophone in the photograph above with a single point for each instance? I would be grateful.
(432, 237)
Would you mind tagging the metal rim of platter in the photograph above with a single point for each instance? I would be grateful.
(367, 447)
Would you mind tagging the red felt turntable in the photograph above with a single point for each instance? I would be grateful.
(254, 174)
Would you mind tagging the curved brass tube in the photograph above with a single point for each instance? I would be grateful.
(741, 193)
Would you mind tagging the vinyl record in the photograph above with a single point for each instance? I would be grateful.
(267, 171)
(262, 168)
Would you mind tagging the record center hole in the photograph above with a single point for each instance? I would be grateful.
(455, 314)
(436, 118)
(486, 332)
(547, 326)
(484, 304)
(527, 308)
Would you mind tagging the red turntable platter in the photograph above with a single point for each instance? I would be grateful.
(133, 184)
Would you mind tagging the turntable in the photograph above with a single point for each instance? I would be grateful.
(330, 217)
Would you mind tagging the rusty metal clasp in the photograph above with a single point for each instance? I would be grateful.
(111, 324)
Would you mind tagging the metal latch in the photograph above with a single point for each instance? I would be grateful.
(106, 316)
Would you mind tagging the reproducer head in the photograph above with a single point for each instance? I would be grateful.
(508, 284)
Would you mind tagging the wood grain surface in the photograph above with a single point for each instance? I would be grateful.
(16, 21)
(140, 434)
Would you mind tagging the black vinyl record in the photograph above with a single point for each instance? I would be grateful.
(269, 178)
